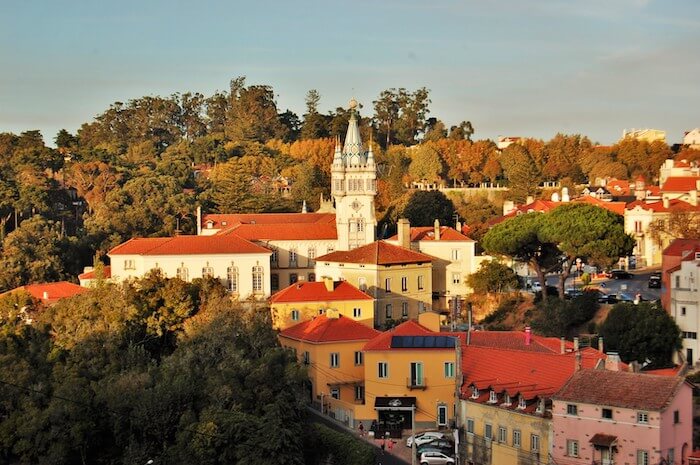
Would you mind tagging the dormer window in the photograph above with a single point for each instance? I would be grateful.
(475, 392)
(540, 406)
(507, 400)
(521, 403)
(493, 397)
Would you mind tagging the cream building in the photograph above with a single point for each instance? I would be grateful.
(647, 135)
(685, 302)
(242, 266)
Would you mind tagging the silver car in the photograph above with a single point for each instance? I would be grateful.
(435, 458)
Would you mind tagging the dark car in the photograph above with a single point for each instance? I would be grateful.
(654, 282)
(439, 445)
(620, 274)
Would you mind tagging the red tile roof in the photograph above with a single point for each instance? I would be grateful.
(308, 291)
(187, 245)
(323, 329)
(106, 273)
(52, 291)
(615, 207)
(427, 233)
(681, 184)
(291, 231)
(543, 206)
(407, 328)
(376, 253)
(658, 207)
(516, 340)
(521, 372)
(673, 371)
(621, 389)
(680, 247)
(618, 186)
(266, 218)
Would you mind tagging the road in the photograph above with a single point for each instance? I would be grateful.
(635, 285)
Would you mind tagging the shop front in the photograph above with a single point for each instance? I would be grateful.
(394, 415)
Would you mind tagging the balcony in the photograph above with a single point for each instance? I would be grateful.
(416, 383)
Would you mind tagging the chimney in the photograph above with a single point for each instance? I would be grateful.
(666, 202)
(46, 295)
(563, 345)
(199, 220)
(458, 226)
(565, 194)
(612, 362)
(328, 281)
(601, 347)
(508, 206)
(436, 226)
(404, 233)
(528, 335)
(529, 199)
(576, 346)
(579, 361)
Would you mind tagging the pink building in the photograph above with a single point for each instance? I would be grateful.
(605, 417)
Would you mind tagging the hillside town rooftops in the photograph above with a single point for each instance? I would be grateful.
(377, 253)
(49, 292)
(427, 233)
(188, 245)
(324, 329)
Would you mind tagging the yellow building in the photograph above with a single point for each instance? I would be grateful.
(305, 300)
(409, 366)
(399, 279)
(506, 396)
(646, 135)
(330, 345)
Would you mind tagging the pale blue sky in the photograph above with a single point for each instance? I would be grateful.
(512, 67)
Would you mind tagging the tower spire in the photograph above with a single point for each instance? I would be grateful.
(353, 150)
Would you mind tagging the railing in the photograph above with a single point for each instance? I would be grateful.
(414, 383)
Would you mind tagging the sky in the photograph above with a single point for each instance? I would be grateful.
(512, 67)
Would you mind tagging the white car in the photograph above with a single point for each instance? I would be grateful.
(435, 458)
(424, 438)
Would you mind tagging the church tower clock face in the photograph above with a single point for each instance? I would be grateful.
(356, 205)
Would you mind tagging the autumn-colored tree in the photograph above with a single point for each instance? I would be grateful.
(92, 180)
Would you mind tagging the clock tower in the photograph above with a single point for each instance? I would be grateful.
(354, 186)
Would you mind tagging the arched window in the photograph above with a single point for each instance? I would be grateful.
(258, 278)
(207, 271)
(183, 273)
(232, 276)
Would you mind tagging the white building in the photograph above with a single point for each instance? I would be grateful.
(691, 139)
(685, 302)
(242, 266)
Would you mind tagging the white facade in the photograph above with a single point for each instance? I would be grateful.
(692, 139)
(672, 169)
(685, 305)
(637, 221)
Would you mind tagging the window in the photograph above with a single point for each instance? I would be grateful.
(671, 456)
(335, 359)
(335, 393)
(404, 309)
(488, 432)
(502, 434)
(493, 397)
(507, 400)
(417, 374)
(682, 311)
(257, 279)
(607, 413)
(572, 409)
(521, 403)
(421, 307)
(307, 357)
(571, 448)
(183, 273)
(330, 249)
(455, 255)
(359, 358)
(273, 257)
(678, 281)
(689, 335)
(642, 417)
(321, 311)
(360, 393)
(475, 392)
(129, 265)
(470, 425)
(456, 278)
(295, 315)
(292, 258)
(449, 369)
(293, 278)
(387, 284)
(388, 310)
(275, 282)
(207, 272)
(232, 277)
(420, 282)
(382, 370)
(540, 406)
(534, 443)
(311, 254)
(637, 226)
(404, 284)
(516, 438)
(442, 415)
(642, 457)
(362, 284)
(676, 417)
(312, 277)
(356, 312)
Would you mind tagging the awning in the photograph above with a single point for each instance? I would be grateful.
(603, 440)
(394, 403)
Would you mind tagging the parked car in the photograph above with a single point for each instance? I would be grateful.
(654, 281)
(536, 286)
(607, 298)
(435, 458)
(572, 293)
(424, 437)
(619, 274)
(440, 445)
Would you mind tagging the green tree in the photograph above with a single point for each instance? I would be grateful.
(425, 164)
(493, 277)
(314, 125)
(424, 207)
(642, 333)
(253, 114)
(521, 170)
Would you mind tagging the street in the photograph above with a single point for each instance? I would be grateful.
(637, 284)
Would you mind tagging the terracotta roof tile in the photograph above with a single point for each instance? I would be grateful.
(427, 233)
(309, 291)
(516, 340)
(407, 328)
(291, 231)
(52, 291)
(681, 184)
(658, 207)
(323, 329)
(266, 218)
(106, 273)
(376, 253)
(187, 245)
(680, 247)
(620, 389)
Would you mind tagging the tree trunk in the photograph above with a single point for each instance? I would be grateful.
(565, 273)
(541, 277)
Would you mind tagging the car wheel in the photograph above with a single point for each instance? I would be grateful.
(424, 463)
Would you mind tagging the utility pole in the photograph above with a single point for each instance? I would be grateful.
(413, 434)
(458, 390)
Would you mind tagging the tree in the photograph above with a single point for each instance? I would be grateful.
(642, 333)
(521, 170)
(424, 207)
(425, 164)
(679, 224)
(386, 113)
(253, 114)
(493, 277)
(464, 130)
(314, 125)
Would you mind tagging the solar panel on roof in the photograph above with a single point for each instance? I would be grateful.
(422, 342)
